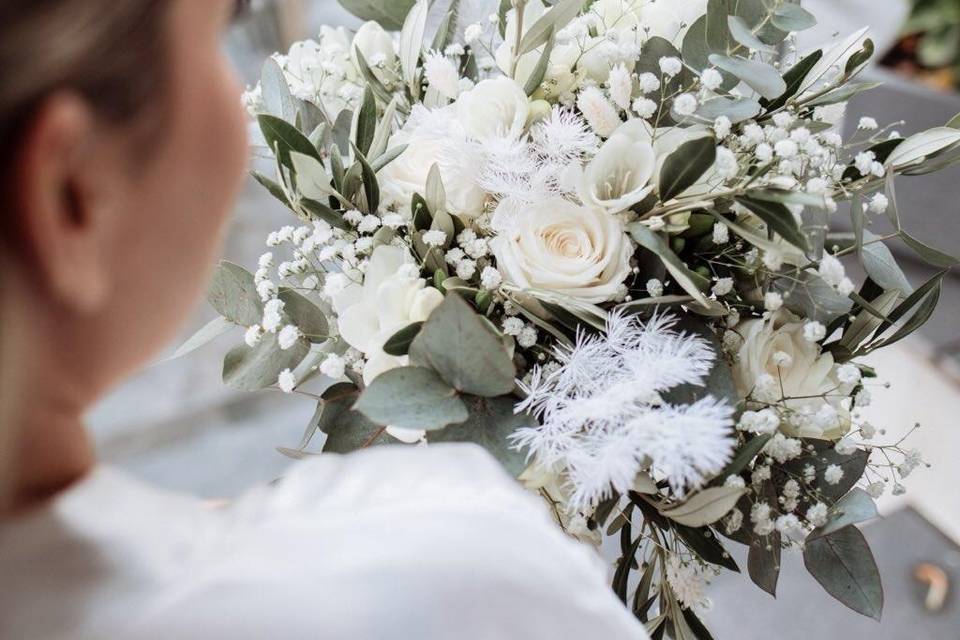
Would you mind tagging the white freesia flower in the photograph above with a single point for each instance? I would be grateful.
(375, 44)
(494, 108)
(810, 376)
(667, 140)
(387, 301)
(577, 251)
(619, 176)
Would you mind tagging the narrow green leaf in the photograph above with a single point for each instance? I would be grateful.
(367, 122)
(685, 166)
(540, 71)
(706, 507)
(794, 80)
(928, 254)
(282, 138)
(555, 19)
(691, 281)
(779, 219)
(371, 185)
(210, 332)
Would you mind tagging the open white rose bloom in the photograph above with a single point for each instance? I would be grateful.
(598, 239)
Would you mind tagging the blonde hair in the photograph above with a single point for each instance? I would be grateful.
(110, 52)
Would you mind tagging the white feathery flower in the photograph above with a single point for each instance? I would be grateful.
(598, 111)
(620, 84)
(442, 74)
(602, 417)
(563, 137)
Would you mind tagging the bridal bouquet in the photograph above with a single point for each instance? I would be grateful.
(601, 240)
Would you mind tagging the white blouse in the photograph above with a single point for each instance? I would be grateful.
(420, 543)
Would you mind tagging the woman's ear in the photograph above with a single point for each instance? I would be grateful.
(61, 204)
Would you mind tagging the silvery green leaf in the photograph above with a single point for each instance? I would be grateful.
(759, 76)
(317, 210)
(312, 179)
(763, 563)
(371, 184)
(853, 508)
(436, 195)
(273, 188)
(387, 157)
(306, 315)
(843, 565)
(367, 121)
(492, 421)
(342, 129)
(233, 293)
(705, 507)
(347, 430)
(284, 138)
(823, 455)
(920, 307)
(447, 32)
(737, 109)
(745, 35)
(389, 13)
(718, 383)
(276, 92)
(384, 131)
(690, 281)
(373, 80)
(555, 19)
(784, 196)
(411, 42)
(685, 166)
(813, 298)
(540, 71)
(843, 94)
(253, 369)
(919, 146)
(464, 350)
(793, 17)
(412, 398)
(881, 266)
(210, 332)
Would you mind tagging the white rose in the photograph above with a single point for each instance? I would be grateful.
(578, 251)
(375, 44)
(619, 176)
(370, 314)
(495, 108)
(807, 375)
(428, 136)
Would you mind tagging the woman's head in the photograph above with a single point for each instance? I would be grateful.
(121, 147)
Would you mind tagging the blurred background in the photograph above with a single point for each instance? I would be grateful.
(177, 426)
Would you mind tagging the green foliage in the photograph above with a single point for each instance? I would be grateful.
(843, 564)
(389, 13)
(412, 398)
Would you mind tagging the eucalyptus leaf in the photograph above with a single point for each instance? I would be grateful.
(811, 297)
(794, 79)
(389, 13)
(412, 398)
(793, 17)
(306, 315)
(881, 266)
(540, 71)
(255, 368)
(853, 508)
(233, 293)
(843, 94)
(347, 430)
(843, 565)
(706, 545)
(469, 356)
(743, 34)
(759, 76)
(735, 109)
(824, 454)
(705, 507)
(763, 563)
(491, 423)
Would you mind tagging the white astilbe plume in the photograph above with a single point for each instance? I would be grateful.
(603, 420)
(564, 137)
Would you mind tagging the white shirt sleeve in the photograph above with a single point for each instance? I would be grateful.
(426, 544)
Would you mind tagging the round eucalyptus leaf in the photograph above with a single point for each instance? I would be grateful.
(233, 293)
(412, 398)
